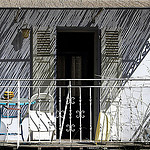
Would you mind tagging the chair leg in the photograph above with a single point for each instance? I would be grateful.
(22, 132)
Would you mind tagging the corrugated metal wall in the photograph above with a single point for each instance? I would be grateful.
(15, 51)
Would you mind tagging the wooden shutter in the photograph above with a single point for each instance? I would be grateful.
(111, 66)
(44, 61)
(43, 43)
(111, 44)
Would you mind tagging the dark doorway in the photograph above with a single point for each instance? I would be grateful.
(75, 60)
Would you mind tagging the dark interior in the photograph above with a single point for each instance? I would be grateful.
(77, 44)
(75, 59)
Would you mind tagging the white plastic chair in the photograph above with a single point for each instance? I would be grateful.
(42, 122)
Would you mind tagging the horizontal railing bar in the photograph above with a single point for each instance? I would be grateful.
(13, 101)
(78, 86)
(105, 79)
(77, 141)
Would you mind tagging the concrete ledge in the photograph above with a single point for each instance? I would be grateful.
(74, 3)
(84, 144)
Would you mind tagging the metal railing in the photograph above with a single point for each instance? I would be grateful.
(97, 110)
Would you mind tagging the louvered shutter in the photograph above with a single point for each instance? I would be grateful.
(111, 64)
(44, 61)
(111, 54)
(111, 44)
(43, 43)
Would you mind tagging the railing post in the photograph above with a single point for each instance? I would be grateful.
(60, 114)
(7, 117)
(29, 129)
(80, 114)
(111, 121)
(90, 114)
(100, 92)
(39, 101)
(66, 106)
(70, 111)
(120, 125)
(50, 110)
(18, 124)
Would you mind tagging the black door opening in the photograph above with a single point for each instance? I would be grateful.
(75, 60)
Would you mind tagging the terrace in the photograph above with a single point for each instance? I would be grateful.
(75, 113)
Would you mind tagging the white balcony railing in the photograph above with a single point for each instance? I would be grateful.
(92, 110)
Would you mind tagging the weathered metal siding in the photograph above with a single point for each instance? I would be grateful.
(133, 24)
(14, 51)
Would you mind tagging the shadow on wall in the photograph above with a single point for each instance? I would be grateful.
(18, 41)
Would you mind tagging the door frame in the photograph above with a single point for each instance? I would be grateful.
(97, 64)
(97, 52)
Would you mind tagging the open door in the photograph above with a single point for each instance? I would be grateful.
(75, 60)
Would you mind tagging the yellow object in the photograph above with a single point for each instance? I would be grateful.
(25, 32)
(103, 127)
(8, 95)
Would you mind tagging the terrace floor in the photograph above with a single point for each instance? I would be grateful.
(65, 144)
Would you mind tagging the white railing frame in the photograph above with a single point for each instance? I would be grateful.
(69, 101)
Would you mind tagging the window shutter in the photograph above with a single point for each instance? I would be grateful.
(111, 44)
(111, 66)
(43, 43)
(44, 61)
(111, 54)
